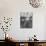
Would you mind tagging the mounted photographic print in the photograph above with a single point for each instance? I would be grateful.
(26, 19)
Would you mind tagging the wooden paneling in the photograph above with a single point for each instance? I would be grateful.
(25, 44)
(22, 43)
(40, 44)
(17, 44)
(44, 44)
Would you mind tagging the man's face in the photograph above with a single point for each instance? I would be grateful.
(35, 3)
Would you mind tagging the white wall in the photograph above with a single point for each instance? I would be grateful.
(12, 8)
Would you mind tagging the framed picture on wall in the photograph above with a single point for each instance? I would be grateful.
(26, 19)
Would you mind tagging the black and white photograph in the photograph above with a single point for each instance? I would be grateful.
(26, 20)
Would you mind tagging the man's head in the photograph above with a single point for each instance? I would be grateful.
(35, 3)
